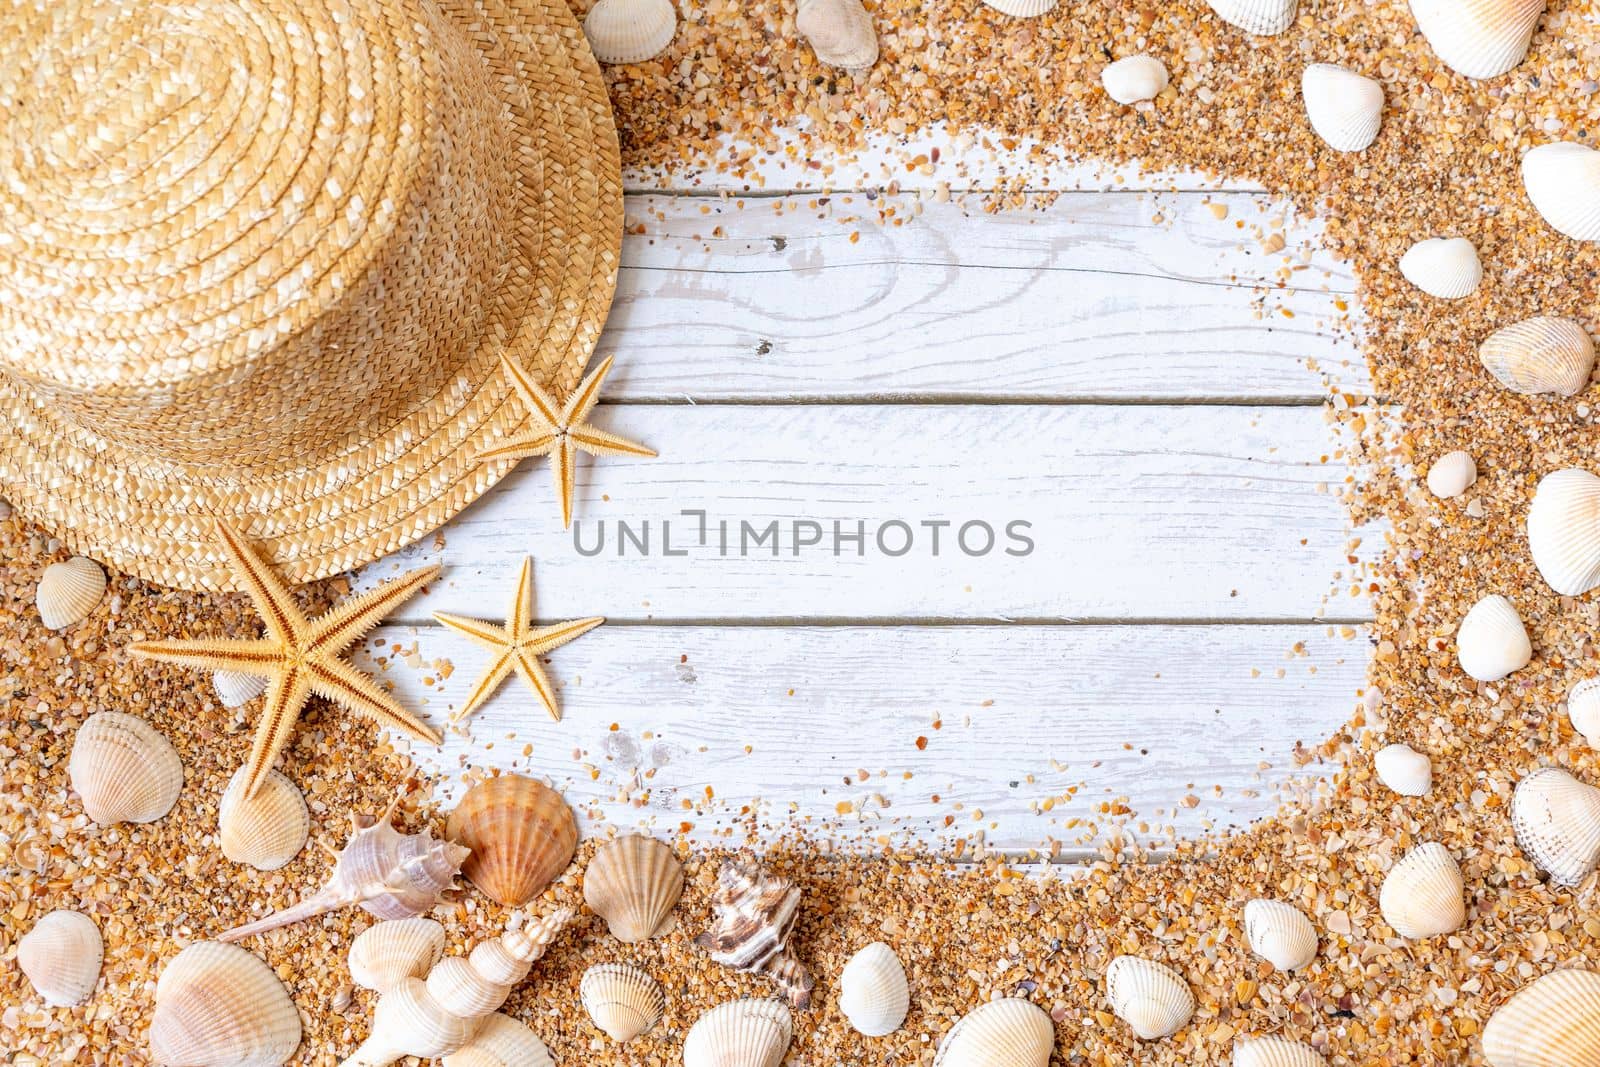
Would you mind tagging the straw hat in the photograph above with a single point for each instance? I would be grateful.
(259, 260)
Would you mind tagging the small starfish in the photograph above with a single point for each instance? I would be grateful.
(516, 646)
(298, 656)
(561, 432)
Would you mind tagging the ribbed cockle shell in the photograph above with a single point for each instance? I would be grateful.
(1478, 38)
(740, 1033)
(1009, 1032)
(1564, 530)
(1275, 1052)
(1583, 708)
(1150, 997)
(219, 1006)
(755, 914)
(1134, 79)
(1445, 267)
(630, 31)
(123, 769)
(1280, 934)
(1264, 18)
(621, 999)
(68, 592)
(235, 689)
(1557, 822)
(1563, 181)
(1023, 9)
(1491, 641)
(521, 833)
(267, 830)
(1404, 769)
(1543, 354)
(501, 1042)
(1554, 1022)
(61, 957)
(386, 953)
(633, 883)
(873, 993)
(840, 32)
(1452, 474)
(1345, 108)
(1422, 895)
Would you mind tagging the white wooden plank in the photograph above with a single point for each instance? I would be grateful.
(817, 729)
(1092, 296)
(1136, 512)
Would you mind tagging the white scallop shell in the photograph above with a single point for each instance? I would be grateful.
(873, 994)
(1133, 79)
(235, 689)
(1345, 108)
(1452, 474)
(61, 957)
(1275, 1052)
(269, 829)
(1261, 17)
(69, 591)
(1557, 821)
(123, 769)
(1554, 1022)
(630, 31)
(1543, 354)
(1564, 530)
(1150, 997)
(749, 1033)
(1491, 641)
(1280, 934)
(385, 954)
(840, 32)
(621, 999)
(1009, 1032)
(1478, 38)
(1422, 895)
(1563, 182)
(501, 1041)
(633, 883)
(1583, 708)
(1445, 267)
(1023, 9)
(1404, 769)
(219, 1005)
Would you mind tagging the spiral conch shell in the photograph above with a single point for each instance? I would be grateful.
(755, 914)
(69, 591)
(1009, 1032)
(1275, 1052)
(1583, 708)
(1445, 267)
(1264, 18)
(267, 830)
(123, 769)
(387, 953)
(1564, 530)
(1553, 1022)
(1345, 108)
(630, 31)
(1404, 769)
(1557, 822)
(1134, 79)
(1478, 38)
(633, 883)
(521, 833)
(873, 993)
(840, 32)
(1280, 934)
(621, 1000)
(501, 1042)
(1491, 641)
(1563, 182)
(61, 957)
(1150, 997)
(1543, 354)
(219, 1006)
(1422, 894)
(740, 1033)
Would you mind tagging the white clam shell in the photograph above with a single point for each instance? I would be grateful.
(61, 956)
(267, 830)
(1422, 895)
(68, 592)
(1583, 708)
(1478, 38)
(630, 31)
(749, 1033)
(1134, 79)
(1280, 934)
(1345, 108)
(1491, 641)
(219, 1006)
(385, 954)
(1023, 9)
(621, 999)
(1563, 182)
(1009, 1032)
(1553, 1022)
(1543, 354)
(1404, 769)
(1445, 267)
(873, 993)
(1452, 474)
(1557, 821)
(1564, 530)
(123, 769)
(1275, 1052)
(840, 32)
(235, 689)
(633, 883)
(501, 1042)
(1263, 18)
(1150, 997)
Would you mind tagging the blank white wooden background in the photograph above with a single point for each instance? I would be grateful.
(1132, 375)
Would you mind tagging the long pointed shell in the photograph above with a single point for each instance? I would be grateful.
(1540, 355)
(464, 991)
(740, 1033)
(219, 1006)
(1280, 934)
(1404, 769)
(840, 32)
(68, 592)
(1445, 267)
(1275, 1052)
(1345, 108)
(1478, 38)
(521, 833)
(621, 1000)
(1563, 181)
(269, 829)
(1422, 895)
(501, 1042)
(1150, 997)
(123, 769)
(1564, 530)
(873, 993)
(1554, 1022)
(1452, 474)
(1009, 1032)
(386, 953)
(410, 1020)
(1583, 708)
(235, 689)
(630, 31)
(1263, 18)
(1491, 641)
(1557, 821)
(1023, 9)
(1134, 79)
(633, 883)
(61, 957)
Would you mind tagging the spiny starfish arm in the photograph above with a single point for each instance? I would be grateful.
(583, 398)
(485, 633)
(564, 469)
(487, 685)
(341, 627)
(273, 600)
(532, 673)
(519, 446)
(602, 443)
(286, 697)
(521, 616)
(341, 683)
(538, 402)
(554, 636)
(259, 658)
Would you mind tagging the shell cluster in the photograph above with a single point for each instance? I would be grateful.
(840, 32)
(1152, 998)
(1543, 354)
(1553, 1022)
(621, 1000)
(267, 830)
(219, 1005)
(69, 591)
(521, 833)
(630, 31)
(873, 993)
(1564, 530)
(1280, 934)
(1557, 822)
(1478, 38)
(61, 957)
(1422, 896)
(1491, 641)
(1264, 18)
(755, 914)
(1134, 79)
(123, 769)
(1445, 267)
(1010, 1031)
(633, 883)
(1404, 769)
(749, 1033)
(1563, 182)
(1345, 108)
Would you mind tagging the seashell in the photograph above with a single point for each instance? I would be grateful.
(840, 32)
(386, 953)
(1280, 934)
(123, 769)
(1275, 1052)
(1134, 79)
(755, 914)
(501, 1042)
(69, 591)
(1491, 641)
(1404, 769)
(1583, 708)
(219, 1006)
(1564, 530)
(633, 883)
(1023, 9)
(1540, 355)
(621, 999)
(1478, 38)
(1422, 894)
(1452, 474)
(1557, 821)
(1009, 1032)
(740, 1033)
(1563, 182)
(1261, 17)
(630, 31)
(61, 957)
(873, 993)
(1344, 107)
(1149, 996)
(1445, 267)
(521, 833)
(1553, 1022)
(269, 829)
(390, 874)
(236, 689)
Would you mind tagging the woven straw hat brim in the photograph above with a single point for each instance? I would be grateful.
(355, 504)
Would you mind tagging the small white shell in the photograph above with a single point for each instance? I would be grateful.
(749, 1033)
(61, 957)
(123, 769)
(1275, 1052)
(269, 829)
(1543, 354)
(1554, 1022)
(1422, 894)
(219, 1005)
(501, 1042)
(1404, 769)
(840, 32)
(1563, 182)
(1583, 708)
(1150, 997)
(1557, 822)
(1134, 79)
(1445, 267)
(630, 31)
(1009, 1032)
(1023, 9)
(1491, 641)
(1452, 474)
(1478, 38)
(385, 954)
(621, 999)
(873, 994)
(1261, 17)
(69, 591)
(235, 690)
(1564, 530)
(1345, 108)
(1280, 934)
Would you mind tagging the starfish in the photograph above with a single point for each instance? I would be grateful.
(561, 432)
(298, 656)
(516, 645)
